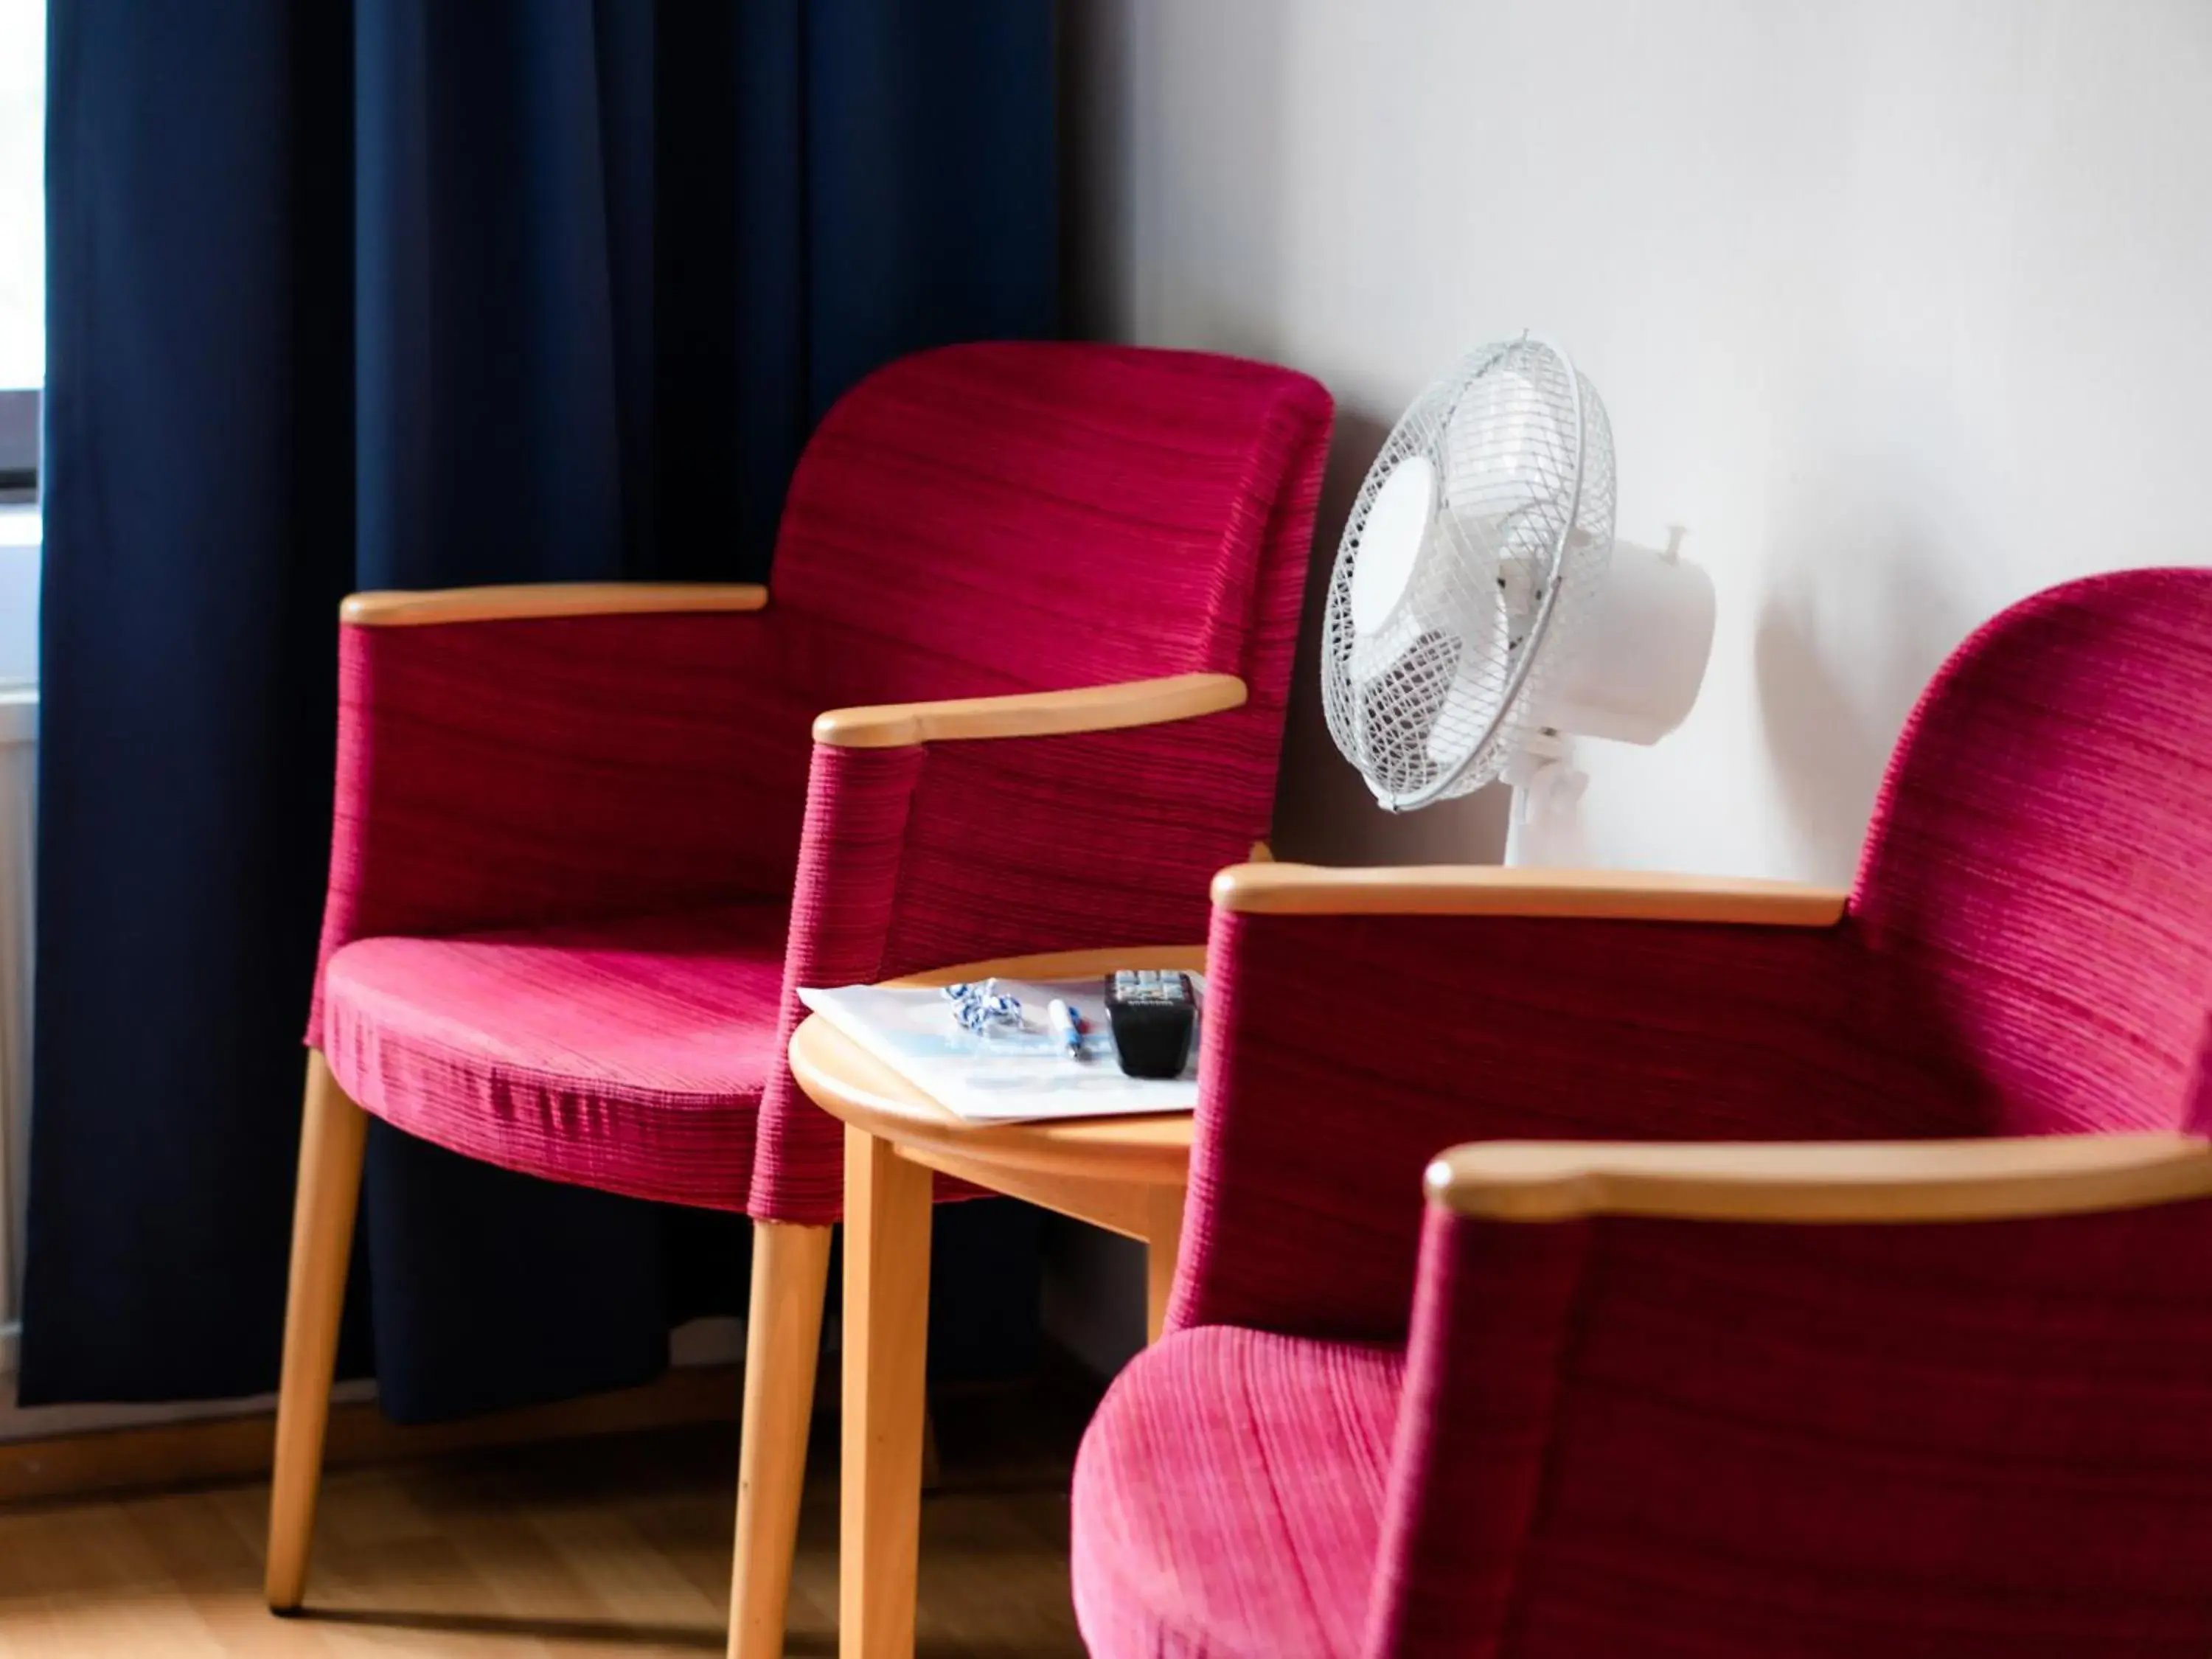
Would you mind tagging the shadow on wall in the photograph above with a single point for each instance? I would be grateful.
(1854, 627)
(1857, 621)
(1173, 233)
(1095, 130)
(1136, 191)
(1323, 813)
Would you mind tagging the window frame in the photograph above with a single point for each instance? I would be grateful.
(19, 441)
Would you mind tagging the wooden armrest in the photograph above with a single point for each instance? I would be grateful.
(1030, 714)
(526, 600)
(1864, 1181)
(1484, 889)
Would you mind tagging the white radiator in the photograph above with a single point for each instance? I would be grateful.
(19, 787)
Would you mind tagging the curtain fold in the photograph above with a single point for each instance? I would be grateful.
(406, 294)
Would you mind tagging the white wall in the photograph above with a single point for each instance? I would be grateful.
(1902, 306)
(22, 192)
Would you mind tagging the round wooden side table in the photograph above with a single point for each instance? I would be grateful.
(1125, 1173)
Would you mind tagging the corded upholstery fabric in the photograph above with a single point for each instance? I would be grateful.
(1635, 1436)
(1404, 1035)
(2039, 877)
(971, 521)
(1697, 1440)
(626, 1055)
(2028, 947)
(516, 773)
(990, 519)
(1280, 1452)
(998, 848)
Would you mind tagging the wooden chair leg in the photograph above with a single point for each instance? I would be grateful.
(333, 1136)
(783, 1336)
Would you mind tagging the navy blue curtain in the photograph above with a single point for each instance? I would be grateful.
(411, 293)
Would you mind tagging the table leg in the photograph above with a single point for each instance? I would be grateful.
(886, 1344)
(1162, 1237)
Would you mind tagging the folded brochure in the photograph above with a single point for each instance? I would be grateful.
(1007, 1077)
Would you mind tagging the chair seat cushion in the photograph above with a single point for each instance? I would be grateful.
(628, 1055)
(1229, 1498)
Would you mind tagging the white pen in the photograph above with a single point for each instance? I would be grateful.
(1066, 1024)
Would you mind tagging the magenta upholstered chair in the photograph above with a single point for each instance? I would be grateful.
(1908, 1398)
(585, 849)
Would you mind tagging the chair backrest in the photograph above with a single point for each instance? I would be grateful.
(996, 518)
(1677, 1438)
(2028, 949)
(1032, 516)
(2038, 875)
(1341, 1053)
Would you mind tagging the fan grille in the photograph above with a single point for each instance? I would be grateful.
(1434, 703)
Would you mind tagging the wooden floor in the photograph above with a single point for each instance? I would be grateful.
(618, 1547)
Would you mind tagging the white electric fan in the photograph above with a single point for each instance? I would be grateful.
(1481, 615)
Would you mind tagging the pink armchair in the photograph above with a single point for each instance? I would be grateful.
(585, 851)
(1924, 1395)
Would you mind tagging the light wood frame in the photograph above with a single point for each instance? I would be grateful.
(529, 601)
(333, 1133)
(1031, 713)
(1486, 889)
(791, 1268)
(783, 1336)
(1990, 1179)
(884, 726)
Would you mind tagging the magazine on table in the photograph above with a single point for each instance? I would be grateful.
(1004, 1076)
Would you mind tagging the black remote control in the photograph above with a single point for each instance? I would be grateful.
(1153, 1013)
